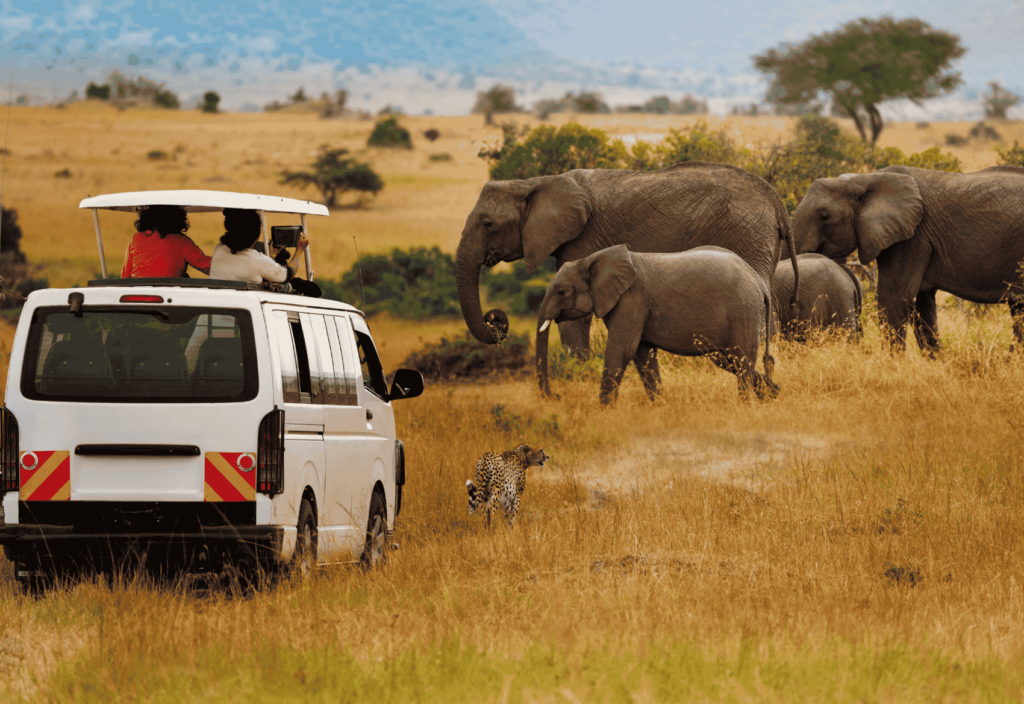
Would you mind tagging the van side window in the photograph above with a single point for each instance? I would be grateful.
(328, 369)
(373, 374)
(305, 385)
(286, 348)
(351, 382)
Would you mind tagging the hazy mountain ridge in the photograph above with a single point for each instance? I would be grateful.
(420, 55)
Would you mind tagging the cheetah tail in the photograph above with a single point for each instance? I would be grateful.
(474, 496)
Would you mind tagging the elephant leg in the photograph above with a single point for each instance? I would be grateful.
(1017, 313)
(926, 323)
(744, 373)
(893, 314)
(611, 378)
(575, 335)
(646, 361)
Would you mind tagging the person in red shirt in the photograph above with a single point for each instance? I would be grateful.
(160, 247)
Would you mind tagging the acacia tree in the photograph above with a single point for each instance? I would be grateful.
(335, 172)
(863, 64)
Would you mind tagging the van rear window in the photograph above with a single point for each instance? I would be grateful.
(141, 355)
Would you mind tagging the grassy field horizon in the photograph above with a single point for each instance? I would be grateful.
(861, 538)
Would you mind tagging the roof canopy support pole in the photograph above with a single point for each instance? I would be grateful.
(99, 241)
(263, 224)
(309, 259)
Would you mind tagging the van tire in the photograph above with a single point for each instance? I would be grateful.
(375, 548)
(305, 558)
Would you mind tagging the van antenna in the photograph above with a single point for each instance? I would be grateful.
(360, 265)
(3, 169)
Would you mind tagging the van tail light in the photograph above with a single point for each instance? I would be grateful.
(270, 453)
(9, 455)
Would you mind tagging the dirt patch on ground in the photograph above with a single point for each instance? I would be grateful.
(747, 460)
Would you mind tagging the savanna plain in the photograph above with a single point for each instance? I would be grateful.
(861, 538)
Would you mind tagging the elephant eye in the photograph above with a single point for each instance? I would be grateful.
(823, 215)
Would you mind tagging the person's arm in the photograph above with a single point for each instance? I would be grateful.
(269, 269)
(195, 256)
(303, 243)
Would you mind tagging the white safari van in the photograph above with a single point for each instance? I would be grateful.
(196, 423)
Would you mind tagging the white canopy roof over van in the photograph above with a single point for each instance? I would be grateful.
(203, 202)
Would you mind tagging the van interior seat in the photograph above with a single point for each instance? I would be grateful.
(220, 369)
(153, 370)
(79, 368)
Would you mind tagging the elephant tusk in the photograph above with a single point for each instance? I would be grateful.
(545, 325)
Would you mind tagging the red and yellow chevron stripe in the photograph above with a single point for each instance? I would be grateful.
(46, 476)
(230, 476)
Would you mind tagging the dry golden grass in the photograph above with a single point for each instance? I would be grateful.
(859, 539)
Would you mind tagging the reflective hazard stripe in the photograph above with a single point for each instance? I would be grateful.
(224, 481)
(50, 480)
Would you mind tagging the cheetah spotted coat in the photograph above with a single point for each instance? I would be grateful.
(503, 477)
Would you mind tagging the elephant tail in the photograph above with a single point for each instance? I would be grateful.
(769, 361)
(786, 231)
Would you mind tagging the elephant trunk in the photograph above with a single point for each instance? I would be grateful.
(543, 330)
(468, 262)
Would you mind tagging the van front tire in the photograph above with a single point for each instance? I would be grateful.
(375, 548)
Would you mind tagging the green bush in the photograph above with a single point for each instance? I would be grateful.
(466, 358)
(1012, 156)
(547, 150)
(419, 283)
(388, 133)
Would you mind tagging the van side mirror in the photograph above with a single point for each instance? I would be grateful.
(408, 383)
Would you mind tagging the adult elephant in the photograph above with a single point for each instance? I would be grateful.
(929, 231)
(580, 212)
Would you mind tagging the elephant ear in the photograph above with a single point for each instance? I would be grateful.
(890, 209)
(557, 209)
(611, 273)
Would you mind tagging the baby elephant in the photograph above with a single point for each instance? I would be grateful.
(705, 301)
(830, 297)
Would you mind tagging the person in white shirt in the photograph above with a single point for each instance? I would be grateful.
(234, 259)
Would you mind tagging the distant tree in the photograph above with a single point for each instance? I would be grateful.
(10, 234)
(166, 99)
(210, 101)
(432, 134)
(335, 172)
(498, 99)
(590, 103)
(388, 133)
(299, 96)
(863, 64)
(99, 92)
(999, 101)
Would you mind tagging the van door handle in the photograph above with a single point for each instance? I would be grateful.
(369, 414)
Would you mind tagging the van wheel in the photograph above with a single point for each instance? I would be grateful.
(304, 560)
(375, 548)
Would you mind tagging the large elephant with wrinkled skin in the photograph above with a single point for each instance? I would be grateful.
(580, 212)
(831, 297)
(929, 231)
(705, 301)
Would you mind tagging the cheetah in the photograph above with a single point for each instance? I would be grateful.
(503, 477)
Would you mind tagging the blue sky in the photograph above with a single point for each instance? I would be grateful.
(252, 47)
